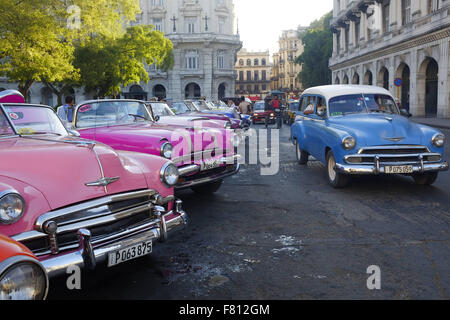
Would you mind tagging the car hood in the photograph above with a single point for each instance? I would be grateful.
(382, 129)
(191, 121)
(148, 137)
(60, 170)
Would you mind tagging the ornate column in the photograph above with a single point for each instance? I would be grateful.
(443, 110)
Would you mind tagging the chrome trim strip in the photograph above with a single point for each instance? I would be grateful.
(184, 171)
(198, 182)
(90, 204)
(103, 220)
(393, 147)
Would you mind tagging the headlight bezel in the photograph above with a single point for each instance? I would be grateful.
(438, 136)
(9, 265)
(163, 150)
(163, 174)
(349, 143)
(18, 196)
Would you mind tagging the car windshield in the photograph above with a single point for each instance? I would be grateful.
(362, 103)
(33, 120)
(202, 106)
(161, 109)
(180, 108)
(110, 113)
(259, 106)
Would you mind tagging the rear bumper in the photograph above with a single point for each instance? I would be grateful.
(88, 256)
(380, 168)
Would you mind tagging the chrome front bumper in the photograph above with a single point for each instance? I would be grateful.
(355, 169)
(88, 256)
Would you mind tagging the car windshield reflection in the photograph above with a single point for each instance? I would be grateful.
(359, 103)
(110, 113)
(161, 110)
(34, 120)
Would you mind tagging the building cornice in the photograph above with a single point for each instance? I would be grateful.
(389, 49)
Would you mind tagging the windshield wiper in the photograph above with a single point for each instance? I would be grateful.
(137, 116)
(41, 132)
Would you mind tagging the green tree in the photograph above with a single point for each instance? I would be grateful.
(107, 64)
(318, 48)
(38, 36)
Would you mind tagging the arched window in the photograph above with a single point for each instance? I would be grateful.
(241, 62)
(249, 62)
(256, 62)
(263, 62)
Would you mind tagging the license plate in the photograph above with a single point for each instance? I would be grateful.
(208, 165)
(130, 253)
(398, 169)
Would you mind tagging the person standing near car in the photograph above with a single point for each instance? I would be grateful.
(244, 107)
(66, 112)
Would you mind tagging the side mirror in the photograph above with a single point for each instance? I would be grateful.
(405, 113)
(74, 133)
(157, 118)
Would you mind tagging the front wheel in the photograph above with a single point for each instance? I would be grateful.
(209, 188)
(302, 156)
(337, 180)
(425, 179)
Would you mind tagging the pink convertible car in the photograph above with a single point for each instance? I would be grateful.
(72, 201)
(203, 157)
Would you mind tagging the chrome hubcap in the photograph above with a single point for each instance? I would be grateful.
(331, 170)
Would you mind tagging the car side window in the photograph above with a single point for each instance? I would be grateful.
(308, 104)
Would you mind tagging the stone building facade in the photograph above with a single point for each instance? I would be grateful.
(253, 74)
(205, 51)
(377, 42)
(285, 70)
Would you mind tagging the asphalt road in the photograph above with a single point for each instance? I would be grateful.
(291, 236)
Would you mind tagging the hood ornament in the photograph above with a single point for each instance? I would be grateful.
(396, 139)
(103, 182)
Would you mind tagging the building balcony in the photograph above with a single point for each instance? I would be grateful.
(186, 73)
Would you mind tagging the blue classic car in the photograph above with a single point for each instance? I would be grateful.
(356, 130)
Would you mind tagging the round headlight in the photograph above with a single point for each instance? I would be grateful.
(438, 140)
(12, 207)
(170, 174)
(23, 280)
(349, 143)
(166, 150)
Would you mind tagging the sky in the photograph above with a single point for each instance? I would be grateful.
(261, 22)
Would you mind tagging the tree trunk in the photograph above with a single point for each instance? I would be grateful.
(24, 89)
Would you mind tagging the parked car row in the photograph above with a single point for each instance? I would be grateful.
(101, 189)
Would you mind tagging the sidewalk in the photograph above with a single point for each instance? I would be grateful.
(433, 122)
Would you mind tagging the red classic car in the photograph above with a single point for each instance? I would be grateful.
(22, 276)
(259, 113)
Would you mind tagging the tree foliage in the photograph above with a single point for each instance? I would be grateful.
(318, 49)
(39, 38)
(106, 64)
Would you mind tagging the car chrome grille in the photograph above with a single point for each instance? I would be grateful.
(107, 219)
(394, 155)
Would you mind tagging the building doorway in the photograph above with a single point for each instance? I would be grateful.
(159, 91)
(192, 91)
(222, 91)
(404, 73)
(431, 88)
(136, 93)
